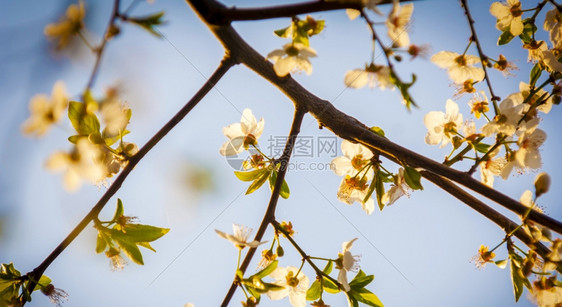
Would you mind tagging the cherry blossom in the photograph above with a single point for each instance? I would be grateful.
(295, 285)
(459, 67)
(243, 134)
(443, 126)
(292, 58)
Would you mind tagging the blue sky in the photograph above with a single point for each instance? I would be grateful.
(418, 249)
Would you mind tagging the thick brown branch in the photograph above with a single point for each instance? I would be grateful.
(269, 216)
(350, 128)
(217, 14)
(225, 65)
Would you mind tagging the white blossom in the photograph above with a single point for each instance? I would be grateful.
(398, 189)
(459, 67)
(293, 57)
(294, 285)
(346, 263)
(372, 74)
(508, 16)
(243, 134)
(398, 22)
(240, 238)
(441, 127)
(45, 111)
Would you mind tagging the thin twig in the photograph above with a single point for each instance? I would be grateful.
(99, 50)
(303, 254)
(224, 66)
(269, 215)
(483, 57)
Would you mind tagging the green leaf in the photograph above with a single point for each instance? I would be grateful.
(90, 125)
(380, 189)
(314, 291)
(366, 297)
(148, 22)
(351, 299)
(404, 87)
(75, 112)
(481, 147)
(43, 282)
(130, 249)
(319, 25)
(258, 182)
(361, 280)
(83, 122)
(330, 286)
(251, 175)
(101, 242)
(9, 290)
(283, 32)
(377, 130)
(267, 270)
(412, 178)
(144, 233)
(301, 36)
(110, 140)
(74, 138)
(535, 75)
(8, 271)
(146, 245)
(285, 192)
(516, 280)
(527, 35)
(505, 37)
(328, 267)
(118, 210)
(372, 185)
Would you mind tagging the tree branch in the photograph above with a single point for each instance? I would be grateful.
(351, 129)
(224, 66)
(99, 50)
(269, 216)
(217, 14)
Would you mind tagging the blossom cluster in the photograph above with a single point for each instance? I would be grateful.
(94, 156)
(281, 282)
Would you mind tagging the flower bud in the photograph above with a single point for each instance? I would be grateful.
(542, 183)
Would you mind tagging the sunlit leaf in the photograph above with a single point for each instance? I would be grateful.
(144, 233)
(118, 210)
(130, 249)
(328, 268)
(481, 147)
(314, 291)
(251, 175)
(377, 130)
(101, 243)
(149, 22)
(535, 75)
(361, 280)
(505, 37)
(412, 178)
(258, 182)
(267, 270)
(284, 192)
